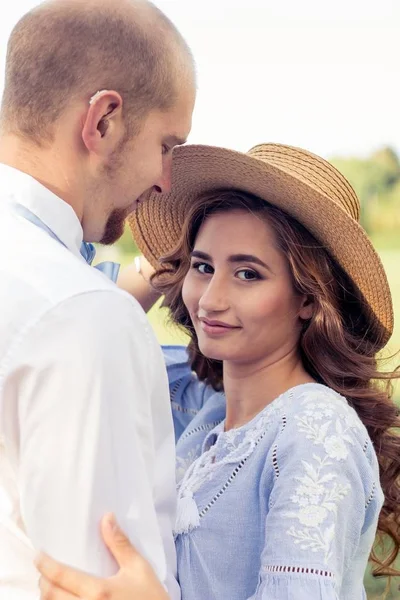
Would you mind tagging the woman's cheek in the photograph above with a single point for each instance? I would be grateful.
(188, 293)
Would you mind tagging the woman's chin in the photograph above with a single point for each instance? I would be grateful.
(214, 350)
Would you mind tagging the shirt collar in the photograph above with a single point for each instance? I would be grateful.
(59, 216)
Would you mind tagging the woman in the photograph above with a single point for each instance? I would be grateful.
(285, 475)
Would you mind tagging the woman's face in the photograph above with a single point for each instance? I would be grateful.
(239, 293)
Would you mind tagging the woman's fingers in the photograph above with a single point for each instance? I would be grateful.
(118, 543)
(48, 591)
(135, 579)
(73, 581)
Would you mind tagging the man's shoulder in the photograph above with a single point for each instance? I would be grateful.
(42, 267)
(53, 280)
(41, 277)
(90, 322)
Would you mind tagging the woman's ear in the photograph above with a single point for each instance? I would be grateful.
(306, 310)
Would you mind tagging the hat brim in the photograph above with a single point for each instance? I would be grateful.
(157, 223)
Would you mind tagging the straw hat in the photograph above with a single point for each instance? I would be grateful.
(300, 183)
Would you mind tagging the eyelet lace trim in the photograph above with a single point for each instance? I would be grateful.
(275, 450)
(224, 487)
(182, 409)
(300, 570)
(175, 388)
(206, 427)
(203, 469)
(371, 496)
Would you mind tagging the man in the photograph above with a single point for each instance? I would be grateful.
(97, 93)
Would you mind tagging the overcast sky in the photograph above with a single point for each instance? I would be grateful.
(322, 74)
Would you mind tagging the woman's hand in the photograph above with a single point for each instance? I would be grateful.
(135, 579)
(138, 284)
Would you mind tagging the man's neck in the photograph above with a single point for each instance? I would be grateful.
(43, 164)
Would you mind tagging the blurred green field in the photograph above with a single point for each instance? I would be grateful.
(391, 260)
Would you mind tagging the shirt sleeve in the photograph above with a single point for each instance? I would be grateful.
(325, 496)
(188, 394)
(83, 382)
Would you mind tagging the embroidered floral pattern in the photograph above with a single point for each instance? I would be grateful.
(219, 449)
(183, 463)
(234, 446)
(319, 493)
(323, 418)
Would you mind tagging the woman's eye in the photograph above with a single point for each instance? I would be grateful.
(165, 149)
(203, 268)
(247, 275)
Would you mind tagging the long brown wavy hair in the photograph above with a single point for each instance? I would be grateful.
(338, 345)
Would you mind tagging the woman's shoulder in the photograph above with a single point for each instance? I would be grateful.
(318, 402)
(320, 442)
(306, 413)
(318, 418)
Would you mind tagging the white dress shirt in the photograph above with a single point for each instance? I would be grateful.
(85, 420)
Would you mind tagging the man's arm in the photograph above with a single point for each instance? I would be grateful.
(83, 389)
(135, 578)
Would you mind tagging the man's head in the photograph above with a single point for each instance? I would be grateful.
(103, 90)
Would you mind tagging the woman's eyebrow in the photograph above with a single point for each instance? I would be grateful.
(202, 255)
(234, 258)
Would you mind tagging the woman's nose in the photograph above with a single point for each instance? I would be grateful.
(214, 297)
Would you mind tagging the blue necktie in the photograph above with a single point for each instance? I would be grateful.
(88, 251)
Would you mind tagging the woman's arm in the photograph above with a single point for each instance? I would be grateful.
(134, 580)
(324, 503)
(188, 395)
(135, 279)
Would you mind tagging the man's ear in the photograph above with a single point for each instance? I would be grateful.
(102, 125)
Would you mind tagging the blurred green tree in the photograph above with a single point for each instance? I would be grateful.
(376, 179)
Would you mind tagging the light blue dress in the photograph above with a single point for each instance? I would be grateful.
(283, 508)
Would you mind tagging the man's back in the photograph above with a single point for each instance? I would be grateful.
(84, 412)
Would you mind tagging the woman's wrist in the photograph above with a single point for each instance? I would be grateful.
(136, 280)
(143, 267)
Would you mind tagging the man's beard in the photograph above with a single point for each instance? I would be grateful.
(115, 226)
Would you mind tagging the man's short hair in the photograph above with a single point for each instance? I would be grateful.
(60, 52)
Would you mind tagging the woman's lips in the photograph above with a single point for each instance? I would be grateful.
(213, 327)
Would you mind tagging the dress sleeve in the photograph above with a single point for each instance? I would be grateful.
(323, 506)
(188, 394)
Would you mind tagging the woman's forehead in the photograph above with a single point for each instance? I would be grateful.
(236, 227)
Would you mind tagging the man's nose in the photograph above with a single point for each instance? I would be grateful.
(163, 185)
